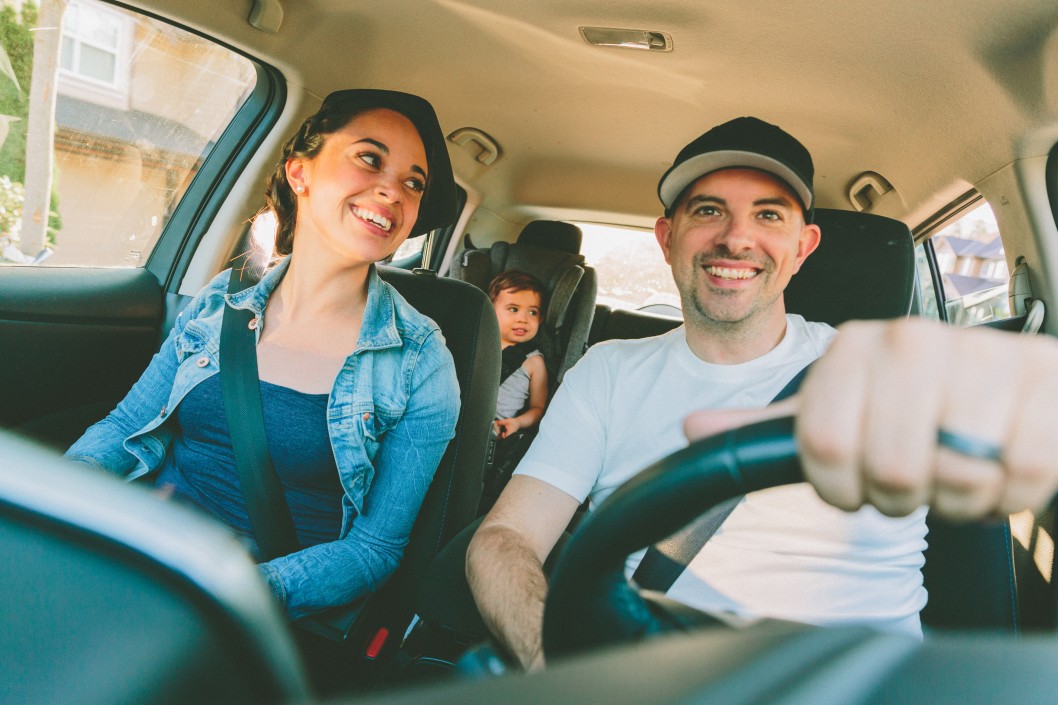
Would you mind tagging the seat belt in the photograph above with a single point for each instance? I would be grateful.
(664, 561)
(266, 505)
(241, 391)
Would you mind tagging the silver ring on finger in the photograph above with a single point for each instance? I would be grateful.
(970, 446)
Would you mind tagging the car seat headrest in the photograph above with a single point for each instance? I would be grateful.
(553, 235)
(864, 268)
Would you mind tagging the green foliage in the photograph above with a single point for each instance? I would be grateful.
(16, 39)
(11, 200)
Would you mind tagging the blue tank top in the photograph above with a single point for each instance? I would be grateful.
(201, 464)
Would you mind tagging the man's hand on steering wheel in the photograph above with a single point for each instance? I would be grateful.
(901, 414)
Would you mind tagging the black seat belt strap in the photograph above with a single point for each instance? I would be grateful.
(241, 391)
(664, 561)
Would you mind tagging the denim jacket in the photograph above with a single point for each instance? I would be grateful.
(391, 413)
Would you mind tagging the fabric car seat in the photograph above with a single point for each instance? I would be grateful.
(977, 575)
(468, 323)
(549, 250)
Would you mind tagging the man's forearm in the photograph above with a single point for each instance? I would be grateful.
(510, 588)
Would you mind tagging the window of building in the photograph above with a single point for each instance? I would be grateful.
(91, 42)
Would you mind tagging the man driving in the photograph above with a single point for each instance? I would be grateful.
(737, 226)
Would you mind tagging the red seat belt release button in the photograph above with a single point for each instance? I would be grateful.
(376, 643)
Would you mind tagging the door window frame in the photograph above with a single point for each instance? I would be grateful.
(923, 236)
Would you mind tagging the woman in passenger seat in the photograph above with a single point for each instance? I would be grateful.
(358, 389)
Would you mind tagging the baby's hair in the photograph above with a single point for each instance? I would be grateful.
(515, 280)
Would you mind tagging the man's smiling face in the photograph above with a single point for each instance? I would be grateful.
(733, 241)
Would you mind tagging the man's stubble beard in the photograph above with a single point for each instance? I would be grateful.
(693, 298)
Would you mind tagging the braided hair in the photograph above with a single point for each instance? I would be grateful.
(305, 144)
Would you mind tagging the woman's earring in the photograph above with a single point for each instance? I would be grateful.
(299, 189)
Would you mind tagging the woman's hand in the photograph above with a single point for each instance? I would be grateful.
(900, 414)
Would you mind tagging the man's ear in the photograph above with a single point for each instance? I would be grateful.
(663, 232)
(807, 243)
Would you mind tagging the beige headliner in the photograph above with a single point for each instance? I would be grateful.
(935, 96)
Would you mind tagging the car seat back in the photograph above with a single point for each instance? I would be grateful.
(990, 575)
(468, 323)
(113, 595)
(864, 268)
(550, 251)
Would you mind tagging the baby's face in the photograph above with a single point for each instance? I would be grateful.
(519, 315)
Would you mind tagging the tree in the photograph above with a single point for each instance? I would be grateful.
(16, 72)
(40, 133)
(16, 40)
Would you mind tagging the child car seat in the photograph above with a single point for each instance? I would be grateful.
(550, 251)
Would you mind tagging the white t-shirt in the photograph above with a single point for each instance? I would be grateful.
(782, 552)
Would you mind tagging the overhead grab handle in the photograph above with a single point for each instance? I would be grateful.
(480, 145)
(867, 189)
(266, 15)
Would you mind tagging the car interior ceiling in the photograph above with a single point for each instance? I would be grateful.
(121, 611)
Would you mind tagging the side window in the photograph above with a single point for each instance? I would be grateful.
(91, 172)
(409, 248)
(926, 289)
(972, 266)
(409, 254)
(631, 270)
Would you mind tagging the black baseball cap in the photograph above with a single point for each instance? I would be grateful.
(438, 206)
(745, 142)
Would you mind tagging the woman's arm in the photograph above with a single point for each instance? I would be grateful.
(337, 572)
(102, 445)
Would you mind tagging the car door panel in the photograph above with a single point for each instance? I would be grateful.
(72, 342)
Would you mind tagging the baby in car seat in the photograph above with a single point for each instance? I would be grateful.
(518, 299)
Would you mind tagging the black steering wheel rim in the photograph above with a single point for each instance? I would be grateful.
(590, 601)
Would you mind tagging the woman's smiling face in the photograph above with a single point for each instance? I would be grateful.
(359, 197)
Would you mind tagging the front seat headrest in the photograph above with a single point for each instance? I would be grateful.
(553, 235)
(864, 268)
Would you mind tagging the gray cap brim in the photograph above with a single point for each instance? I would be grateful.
(695, 168)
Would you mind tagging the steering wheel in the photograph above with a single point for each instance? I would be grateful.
(590, 601)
